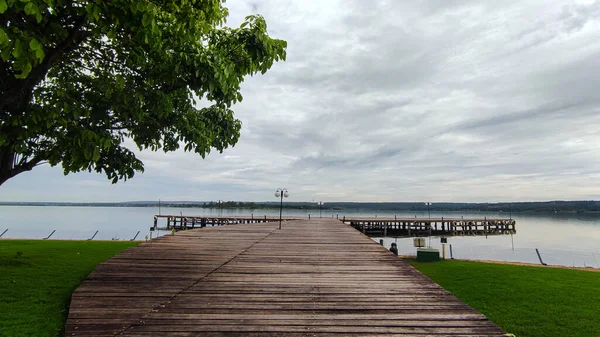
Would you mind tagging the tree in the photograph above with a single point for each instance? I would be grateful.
(79, 78)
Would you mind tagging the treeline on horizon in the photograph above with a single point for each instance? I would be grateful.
(546, 206)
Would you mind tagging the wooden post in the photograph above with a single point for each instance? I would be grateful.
(540, 257)
(93, 236)
(48, 237)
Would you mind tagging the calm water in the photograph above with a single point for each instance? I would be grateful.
(562, 239)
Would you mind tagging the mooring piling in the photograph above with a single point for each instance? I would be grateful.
(48, 237)
(93, 236)
(136, 235)
(540, 257)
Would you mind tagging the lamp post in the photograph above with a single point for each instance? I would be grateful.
(320, 203)
(280, 193)
(428, 212)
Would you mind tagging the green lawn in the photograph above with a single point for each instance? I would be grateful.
(38, 277)
(526, 301)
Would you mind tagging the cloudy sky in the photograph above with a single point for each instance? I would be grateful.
(437, 100)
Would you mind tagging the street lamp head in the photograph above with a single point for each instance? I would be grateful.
(277, 194)
(286, 194)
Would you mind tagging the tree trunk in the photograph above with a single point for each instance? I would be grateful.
(9, 168)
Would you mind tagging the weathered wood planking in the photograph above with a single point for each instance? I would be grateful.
(184, 222)
(432, 226)
(312, 278)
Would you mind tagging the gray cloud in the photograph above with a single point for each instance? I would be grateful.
(396, 101)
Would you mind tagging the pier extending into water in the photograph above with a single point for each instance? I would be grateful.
(400, 227)
(314, 277)
(419, 227)
(184, 222)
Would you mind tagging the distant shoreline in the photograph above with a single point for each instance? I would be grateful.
(549, 207)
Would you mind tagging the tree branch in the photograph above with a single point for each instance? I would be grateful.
(6, 174)
(21, 90)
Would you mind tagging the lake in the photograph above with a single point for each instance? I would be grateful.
(563, 239)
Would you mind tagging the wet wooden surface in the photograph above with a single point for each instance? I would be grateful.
(312, 278)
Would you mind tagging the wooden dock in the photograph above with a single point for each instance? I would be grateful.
(419, 227)
(184, 222)
(311, 278)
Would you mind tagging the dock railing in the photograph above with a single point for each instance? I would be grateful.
(416, 227)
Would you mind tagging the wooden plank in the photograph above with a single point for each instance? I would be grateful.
(317, 278)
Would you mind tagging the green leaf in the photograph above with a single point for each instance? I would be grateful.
(5, 54)
(25, 70)
(120, 82)
(96, 156)
(18, 49)
(3, 36)
(97, 13)
(87, 153)
(30, 8)
(145, 19)
(3, 6)
(40, 54)
(34, 45)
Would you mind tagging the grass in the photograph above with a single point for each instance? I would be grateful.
(37, 279)
(523, 300)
